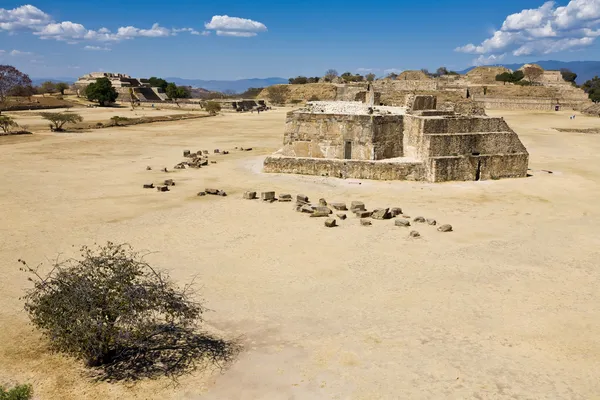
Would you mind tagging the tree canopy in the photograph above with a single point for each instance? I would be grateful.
(61, 87)
(330, 75)
(10, 77)
(568, 75)
(592, 88)
(511, 77)
(158, 82)
(177, 92)
(349, 77)
(48, 87)
(278, 94)
(6, 123)
(61, 119)
(101, 91)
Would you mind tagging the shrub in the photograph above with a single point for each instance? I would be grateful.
(278, 94)
(6, 123)
(128, 320)
(19, 392)
(61, 119)
(116, 120)
(212, 107)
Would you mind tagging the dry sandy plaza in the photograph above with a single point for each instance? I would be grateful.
(507, 306)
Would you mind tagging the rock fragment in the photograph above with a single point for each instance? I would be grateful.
(162, 188)
(321, 212)
(445, 228)
(323, 202)
(339, 206)
(302, 199)
(249, 195)
(148, 168)
(330, 222)
(342, 216)
(420, 220)
(363, 214)
(365, 222)
(357, 206)
(149, 186)
(187, 153)
(431, 221)
(169, 182)
(402, 223)
(381, 213)
(396, 211)
(414, 234)
(201, 193)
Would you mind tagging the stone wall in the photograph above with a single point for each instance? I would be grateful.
(472, 168)
(325, 135)
(355, 169)
(519, 103)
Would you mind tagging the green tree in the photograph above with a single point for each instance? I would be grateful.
(568, 75)
(101, 91)
(504, 77)
(158, 82)
(6, 123)
(212, 107)
(441, 71)
(183, 92)
(299, 80)
(61, 119)
(23, 91)
(171, 91)
(370, 77)
(61, 87)
(592, 88)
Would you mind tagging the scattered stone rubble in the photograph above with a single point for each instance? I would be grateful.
(366, 217)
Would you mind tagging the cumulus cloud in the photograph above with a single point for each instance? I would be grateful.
(393, 71)
(26, 17)
(225, 25)
(17, 53)
(30, 18)
(488, 60)
(543, 30)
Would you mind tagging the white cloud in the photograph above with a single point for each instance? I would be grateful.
(488, 60)
(236, 34)
(543, 30)
(367, 70)
(18, 53)
(96, 48)
(33, 19)
(26, 17)
(393, 71)
(225, 25)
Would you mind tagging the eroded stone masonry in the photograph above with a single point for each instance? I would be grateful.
(415, 142)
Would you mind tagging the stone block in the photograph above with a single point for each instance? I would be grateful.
(330, 222)
(148, 168)
(402, 223)
(342, 216)
(431, 221)
(365, 222)
(323, 202)
(381, 213)
(420, 220)
(249, 195)
(302, 199)
(307, 209)
(217, 151)
(414, 234)
(201, 193)
(163, 188)
(321, 212)
(357, 206)
(169, 182)
(205, 152)
(149, 186)
(339, 206)
(267, 196)
(186, 153)
(396, 211)
(363, 214)
(285, 198)
(212, 191)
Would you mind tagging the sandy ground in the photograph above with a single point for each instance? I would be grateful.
(505, 307)
(32, 121)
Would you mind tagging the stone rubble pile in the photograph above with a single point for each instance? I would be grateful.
(323, 209)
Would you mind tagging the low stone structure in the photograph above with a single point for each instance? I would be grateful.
(355, 140)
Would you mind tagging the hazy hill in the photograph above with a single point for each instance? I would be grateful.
(237, 86)
(585, 70)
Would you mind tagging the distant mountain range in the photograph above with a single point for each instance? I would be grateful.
(585, 70)
(237, 86)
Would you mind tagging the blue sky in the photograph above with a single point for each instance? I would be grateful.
(193, 39)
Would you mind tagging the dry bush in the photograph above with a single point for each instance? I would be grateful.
(122, 317)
